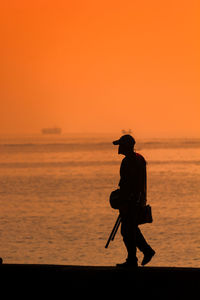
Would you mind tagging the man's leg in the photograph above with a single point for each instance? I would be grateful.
(128, 231)
(144, 247)
(141, 243)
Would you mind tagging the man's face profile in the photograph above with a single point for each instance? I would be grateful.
(122, 149)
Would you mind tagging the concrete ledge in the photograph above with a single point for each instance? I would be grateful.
(144, 279)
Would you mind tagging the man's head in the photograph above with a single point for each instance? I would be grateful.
(126, 144)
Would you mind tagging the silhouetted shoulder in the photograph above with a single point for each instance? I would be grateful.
(140, 158)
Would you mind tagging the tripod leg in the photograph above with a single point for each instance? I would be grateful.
(114, 231)
(116, 228)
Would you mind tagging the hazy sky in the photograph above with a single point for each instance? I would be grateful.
(100, 66)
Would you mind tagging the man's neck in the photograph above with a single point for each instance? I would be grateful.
(130, 153)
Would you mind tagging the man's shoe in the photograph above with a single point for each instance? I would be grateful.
(147, 257)
(127, 264)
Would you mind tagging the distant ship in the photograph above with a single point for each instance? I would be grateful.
(129, 131)
(54, 130)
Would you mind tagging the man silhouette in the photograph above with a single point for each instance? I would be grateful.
(133, 194)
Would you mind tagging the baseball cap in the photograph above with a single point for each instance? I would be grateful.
(126, 139)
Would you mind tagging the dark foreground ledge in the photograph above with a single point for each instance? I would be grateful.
(144, 279)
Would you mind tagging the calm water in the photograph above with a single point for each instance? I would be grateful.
(54, 200)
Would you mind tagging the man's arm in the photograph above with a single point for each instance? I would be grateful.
(144, 188)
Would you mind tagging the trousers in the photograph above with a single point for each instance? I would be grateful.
(132, 236)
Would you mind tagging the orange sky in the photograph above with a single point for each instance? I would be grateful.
(100, 66)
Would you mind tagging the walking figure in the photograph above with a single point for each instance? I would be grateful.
(132, 186)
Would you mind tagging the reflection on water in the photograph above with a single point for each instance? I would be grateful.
(54, 200)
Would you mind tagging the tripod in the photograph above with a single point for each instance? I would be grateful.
(114, 231)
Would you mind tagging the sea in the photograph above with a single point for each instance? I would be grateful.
(54, 199)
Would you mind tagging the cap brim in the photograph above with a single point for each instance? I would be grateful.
(117, 142)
